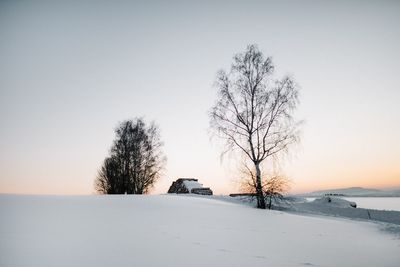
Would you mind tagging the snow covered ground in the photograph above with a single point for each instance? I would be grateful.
(172, 230)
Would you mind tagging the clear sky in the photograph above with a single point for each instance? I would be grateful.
(71, 70)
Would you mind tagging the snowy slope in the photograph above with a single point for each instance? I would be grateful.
(176, 230)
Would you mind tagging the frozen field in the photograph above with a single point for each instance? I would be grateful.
(170, 230)
(377, 203)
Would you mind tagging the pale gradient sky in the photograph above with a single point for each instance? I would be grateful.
(69, 72)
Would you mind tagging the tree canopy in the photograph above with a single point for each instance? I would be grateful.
(135, 161)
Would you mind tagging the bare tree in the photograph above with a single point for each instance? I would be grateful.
(273, 184)
(136, 160)
(254, 111)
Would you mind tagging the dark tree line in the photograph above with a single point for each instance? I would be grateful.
(135, 161)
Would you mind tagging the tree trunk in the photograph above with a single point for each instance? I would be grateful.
(259, 191)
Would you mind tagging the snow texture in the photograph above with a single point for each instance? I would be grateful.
(180, 230)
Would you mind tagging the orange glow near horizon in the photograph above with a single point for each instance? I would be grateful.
(223, 185)
(367, 177)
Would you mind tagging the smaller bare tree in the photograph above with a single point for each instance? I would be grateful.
(273, 185)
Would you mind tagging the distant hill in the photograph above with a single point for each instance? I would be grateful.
(355, 192)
